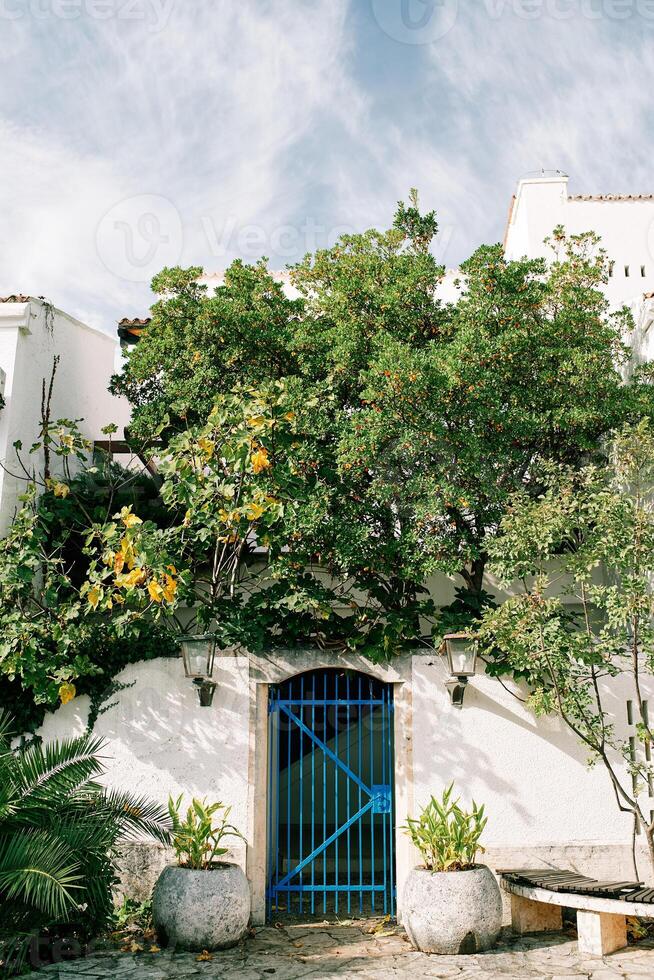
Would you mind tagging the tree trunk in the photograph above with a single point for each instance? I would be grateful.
(649, 837)
(473, 575)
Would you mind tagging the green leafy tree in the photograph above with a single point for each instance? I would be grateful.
(237, 483)
(54, 644)
(418, 419)
(579, 628)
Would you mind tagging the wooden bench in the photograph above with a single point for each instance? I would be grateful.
(538, 896)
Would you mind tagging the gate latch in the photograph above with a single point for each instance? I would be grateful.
(381, 799)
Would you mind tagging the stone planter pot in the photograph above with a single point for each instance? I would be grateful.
(452, 911)
(201, 909)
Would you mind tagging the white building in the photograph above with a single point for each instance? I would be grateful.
(625, 224)
(32, 333)
(545, 806)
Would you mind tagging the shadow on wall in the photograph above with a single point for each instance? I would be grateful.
(160, 741)
(532, 774)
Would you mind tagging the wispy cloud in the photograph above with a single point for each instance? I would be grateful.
(196, 132)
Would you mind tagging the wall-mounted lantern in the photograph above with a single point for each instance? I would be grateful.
(199, 653)
(461, 649)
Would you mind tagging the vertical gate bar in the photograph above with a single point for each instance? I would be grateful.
(372, 780)
(336, 772)
(349, 831)
(360, 775)
(384, 818)
(301, 783)
(391, 780)
(289, 865)
(313, 796)
(324, 801)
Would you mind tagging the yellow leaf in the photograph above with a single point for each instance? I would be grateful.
(135, 948)
(155, 949)
(129, 519)
(254, 511)
(204, 956)
(207, 447)
(155, 590)
(93, 596)
(119, 562)
(289, 416)
(255, 421)
(66, 693)
(61, 489)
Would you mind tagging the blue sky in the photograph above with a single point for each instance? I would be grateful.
(138, 133)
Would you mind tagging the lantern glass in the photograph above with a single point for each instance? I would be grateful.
(198, 653)
(461, 654)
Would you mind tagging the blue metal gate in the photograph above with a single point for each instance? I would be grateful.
(330, 795)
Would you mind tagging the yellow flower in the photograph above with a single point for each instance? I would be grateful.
(93, 596)
(170, 588)
(129, 519)
(61, 489)
(260, 460)
(155, 590)
(127, 551)
(254, 511)
(66, 693)
(133, 578)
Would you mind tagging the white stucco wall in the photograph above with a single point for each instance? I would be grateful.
(531, 773)
(160, 741)
(542, 800)
(30, 337)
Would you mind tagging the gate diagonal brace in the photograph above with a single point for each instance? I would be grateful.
(330, 840)
(328, 752)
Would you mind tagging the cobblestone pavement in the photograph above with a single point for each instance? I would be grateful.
(364, 949)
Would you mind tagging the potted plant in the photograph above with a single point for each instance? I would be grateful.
(201, 903)
(451, 905)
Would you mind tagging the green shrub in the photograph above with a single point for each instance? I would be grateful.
(197, 841)
(447, 836)
(58, 834)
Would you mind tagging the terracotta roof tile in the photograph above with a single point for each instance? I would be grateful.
(129, 330)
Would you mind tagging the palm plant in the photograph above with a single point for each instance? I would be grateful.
(58, 832)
